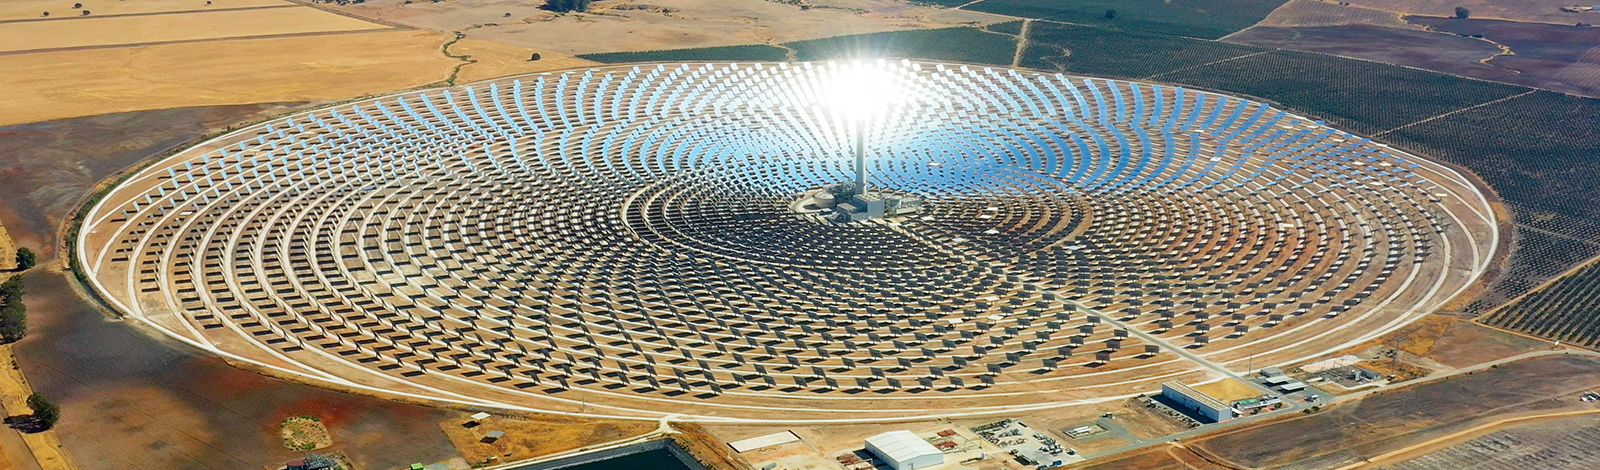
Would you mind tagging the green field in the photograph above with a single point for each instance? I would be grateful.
(1013, 28)
(1541, 153)
(1360, 96)
(1209, 19)
(1097, 51)
(951, 44)
(754, 52)
(1565, 311)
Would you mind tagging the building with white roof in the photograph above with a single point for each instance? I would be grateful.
(903, 450)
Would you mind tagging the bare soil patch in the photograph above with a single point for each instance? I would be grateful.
(117, 30)
(643, 25)
(1165, 457)
(1466, 343)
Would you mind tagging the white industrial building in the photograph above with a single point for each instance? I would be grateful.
(903, 450)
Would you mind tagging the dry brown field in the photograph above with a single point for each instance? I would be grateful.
(532, 437)
(1161, 457)
(158, 54)
(638, 25)
(308, 68)
(63, 33)
(7, 248)
(35, 9)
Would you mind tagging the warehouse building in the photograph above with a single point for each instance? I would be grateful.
(903, 450)
(1201, 403)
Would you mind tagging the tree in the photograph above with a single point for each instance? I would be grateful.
(45, 413)
(11, 291)
(1111, 14)
(13, 313)
(13, 321)
(564, 6)
(1463, 12)
(26, 259)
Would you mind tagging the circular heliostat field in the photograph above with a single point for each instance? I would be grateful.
(622, 241)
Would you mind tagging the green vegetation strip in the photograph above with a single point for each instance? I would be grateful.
(1362, 96)
(1564, 311)
(1098, 51)
(1541, 153)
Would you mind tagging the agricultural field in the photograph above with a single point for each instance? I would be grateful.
(34, 9)
(1564, 311)
(159, 28)
(1536, 150)
(159, 54)
(1435, 51)
(1537, 258)
(1539, 11)
(1082, 49)
(1207, 19)
(1302, 13)
(1553, 57)
(1013, 28)
(1365, 97)
(961, 44)
(753, 52)
(300, 68)
(951, 44)
(651, 25)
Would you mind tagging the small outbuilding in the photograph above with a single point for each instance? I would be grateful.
(903, 450)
